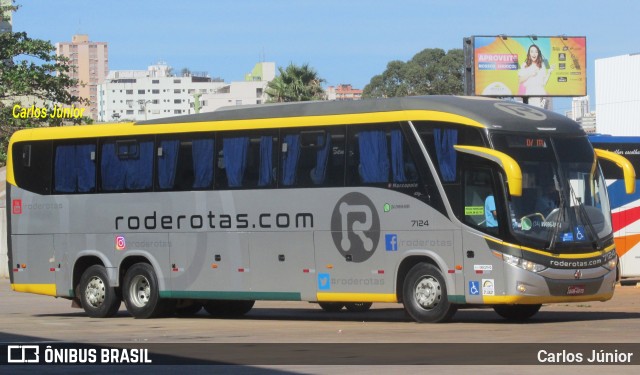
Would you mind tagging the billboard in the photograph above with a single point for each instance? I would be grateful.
(527, 66)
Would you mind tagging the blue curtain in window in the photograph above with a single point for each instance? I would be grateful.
(265, 176)
(65, 171)
(203, 152)
(86, 168)
(112, 170)
(290, 159)
(322, 156)
(445, 139)
(374, 159)
(140, 170)
(167, 163)
(397, 156)
(235, 159)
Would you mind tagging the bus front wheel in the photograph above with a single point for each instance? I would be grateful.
(424, 295)
(331, 306)
(141, 292)
(98, 298)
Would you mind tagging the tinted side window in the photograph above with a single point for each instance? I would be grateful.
(32, 166)
(185, 163)
(312, 157)
(247, 160)
(74, 168)
(379, 155)
(126, 165)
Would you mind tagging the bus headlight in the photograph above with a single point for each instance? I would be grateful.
(522, 263)
(611, 264)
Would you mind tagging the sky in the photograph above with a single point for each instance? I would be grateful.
(346, 41)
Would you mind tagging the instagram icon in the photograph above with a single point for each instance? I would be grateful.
(120, 243)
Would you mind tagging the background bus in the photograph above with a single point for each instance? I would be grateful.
(427, 201)
(625, 208)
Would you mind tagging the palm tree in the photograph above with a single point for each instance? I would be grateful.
(295, 84)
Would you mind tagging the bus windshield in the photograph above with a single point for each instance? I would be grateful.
(563, 206)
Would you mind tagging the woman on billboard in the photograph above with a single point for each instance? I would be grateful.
(534, 74)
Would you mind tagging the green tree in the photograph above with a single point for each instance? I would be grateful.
(30, 68)
(429, 72)
(295, 84)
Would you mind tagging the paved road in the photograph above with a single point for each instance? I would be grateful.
(42, 319)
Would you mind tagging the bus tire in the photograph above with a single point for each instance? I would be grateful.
(141, 292)
(228, 308)
(516, 312)
(358, 306)
(97, 297)
(424, 294)
(331, 306)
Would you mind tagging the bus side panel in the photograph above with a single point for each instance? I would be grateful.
(282, 264)
(209, 265)
(484, 273)
(33, 264)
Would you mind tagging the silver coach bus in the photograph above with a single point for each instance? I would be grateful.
(433, 202)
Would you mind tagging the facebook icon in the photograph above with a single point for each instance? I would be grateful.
(391, 241)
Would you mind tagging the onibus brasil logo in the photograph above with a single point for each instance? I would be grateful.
(355, 227)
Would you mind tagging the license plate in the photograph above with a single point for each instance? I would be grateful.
(575, 290)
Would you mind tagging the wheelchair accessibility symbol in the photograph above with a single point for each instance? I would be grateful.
(474, 288)
(579, 233)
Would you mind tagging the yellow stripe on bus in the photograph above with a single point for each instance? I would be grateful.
(356, 297)
(546, 253)
(514, 300)
(46, 289)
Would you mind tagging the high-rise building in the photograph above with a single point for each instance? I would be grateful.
(138, 95)
(91, 62)
(618, 106)
(579, 107)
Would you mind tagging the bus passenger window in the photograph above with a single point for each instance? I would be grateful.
(74, 169)
(185, 164)
(381, 156)
(247, 162)
(312, 158)
(128, 171)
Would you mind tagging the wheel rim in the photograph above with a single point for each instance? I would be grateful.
(140, 291)
(428, 292)
(95, 292)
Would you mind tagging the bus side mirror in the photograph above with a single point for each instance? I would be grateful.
(506, 162)
(623, 163)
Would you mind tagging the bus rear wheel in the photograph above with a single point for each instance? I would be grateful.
(517, 312)
(424, 295)
(228, 308)
(97, 297)
(142, 294)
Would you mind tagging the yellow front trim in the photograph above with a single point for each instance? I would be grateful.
(548, 254)
(130, 129)
(356, 297)
(508, 164)
(46, 289)
(623, 163)
(528, 300)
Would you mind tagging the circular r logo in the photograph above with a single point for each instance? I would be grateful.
(355, 227)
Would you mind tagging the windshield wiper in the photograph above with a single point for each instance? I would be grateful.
(559, 220)
(582, 212)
